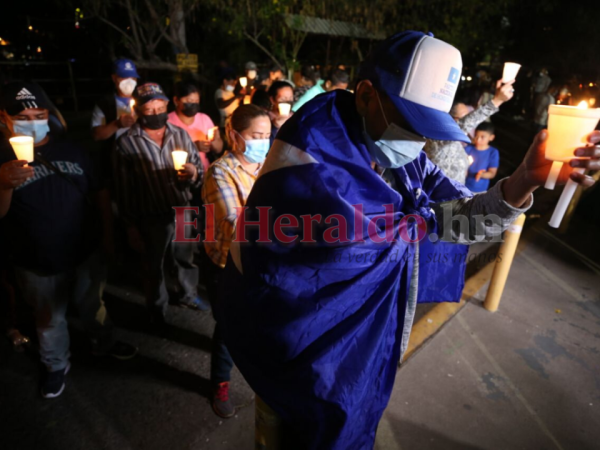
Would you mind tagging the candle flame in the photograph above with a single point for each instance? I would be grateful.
(131, 103)
(471, 160)
(582, 105)
(592, 101)
(211, 133)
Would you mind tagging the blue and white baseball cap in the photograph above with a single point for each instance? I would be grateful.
(125, 68)
(420, 74)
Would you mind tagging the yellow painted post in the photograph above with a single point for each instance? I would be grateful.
(267, 427)
(503, 263)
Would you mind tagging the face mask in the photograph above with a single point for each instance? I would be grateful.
(127, 86)
(256, 149)
(190, 109)
(252, 74)
(396, 147)
(37, 129)
(155, 121)
(229, 88)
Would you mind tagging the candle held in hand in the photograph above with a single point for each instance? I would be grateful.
(243, 81)
(510, 71)
(284, 109)
(132, 107)
(23, 147)
(568, 128)
(247, 100)
(211, 133)
(179, 159)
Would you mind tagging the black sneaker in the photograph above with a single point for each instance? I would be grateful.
(53, 383)
(119, 350)
(221, 403)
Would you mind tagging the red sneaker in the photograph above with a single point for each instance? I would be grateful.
(221, 403)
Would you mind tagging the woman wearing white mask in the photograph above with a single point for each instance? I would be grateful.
(225, 98)
(226, 187)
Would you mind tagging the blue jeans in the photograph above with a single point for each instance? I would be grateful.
(49, 295)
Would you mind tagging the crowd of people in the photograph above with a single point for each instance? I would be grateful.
(327, 148)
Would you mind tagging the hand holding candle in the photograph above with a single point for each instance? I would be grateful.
(568, 127)
(211, 133)
(179, 159)
(23, 147)
(244, 82)
(510, 71)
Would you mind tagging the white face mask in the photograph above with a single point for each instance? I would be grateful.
(396, 147)
(252, 74)
(229, 88)
(127, 86)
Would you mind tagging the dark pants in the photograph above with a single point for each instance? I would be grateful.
(158, 234)
(220, 362)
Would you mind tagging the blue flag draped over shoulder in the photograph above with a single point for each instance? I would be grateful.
(316, 327)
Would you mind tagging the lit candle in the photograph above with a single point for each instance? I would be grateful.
(179, 159)
(592, 101)
(568, 127)
(247, 100)
(131, 107)
(211, 133)
(510, 71)
(23, 147)
(284, 109)
(243, 81)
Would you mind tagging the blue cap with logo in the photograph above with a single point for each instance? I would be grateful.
(420, 74)
(125, 68)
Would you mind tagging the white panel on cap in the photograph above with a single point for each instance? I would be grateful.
(433, 75)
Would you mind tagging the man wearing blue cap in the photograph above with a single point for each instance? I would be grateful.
(112, 114)
(147, 188)
(317, 316)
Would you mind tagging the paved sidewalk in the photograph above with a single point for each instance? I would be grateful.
(525, 377)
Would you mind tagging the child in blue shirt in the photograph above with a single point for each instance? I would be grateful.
(484, 159)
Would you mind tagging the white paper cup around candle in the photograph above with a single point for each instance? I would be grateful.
(510, 71)
(568, 127)
(284, 109)
(23, 147)
(179, 159)
(243, 81)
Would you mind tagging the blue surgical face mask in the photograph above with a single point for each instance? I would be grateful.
(396, 147)
(37, 129)
(256, 149)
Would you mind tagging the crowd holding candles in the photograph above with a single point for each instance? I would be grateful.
(153, 160)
